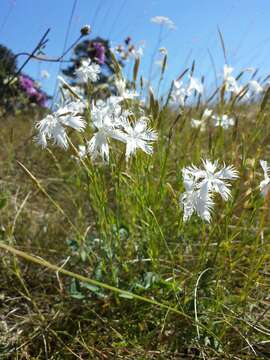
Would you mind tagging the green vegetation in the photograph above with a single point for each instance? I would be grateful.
(158, 287)
(122, 225)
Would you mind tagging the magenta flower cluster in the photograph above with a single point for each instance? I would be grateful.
(100, 52)
(32, 91)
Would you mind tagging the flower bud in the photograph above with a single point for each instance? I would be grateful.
(128, 40)
(85, 30)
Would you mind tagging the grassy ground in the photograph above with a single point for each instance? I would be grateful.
(122, 225)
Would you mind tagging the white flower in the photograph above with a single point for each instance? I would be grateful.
(194, 84)
(76, 106)
(50, 127)
(163, 20)
(75, 122)
(201, 123)
(229, 81)
(82, 151)
(120, 86)
(210, 179)
(88, 71)
(107, 117)
(79, 90)
(231, 85)
(224, 121)
(181, 92)
(178, 94)
(193, 201)
(198, 124)
(110, 121)
(242, 91)
(69, 115)
(73, 106)
(124, 93)
(110, 104)
(137, 136)
(265, 183)
(99, 144)
(53, 127)
(206, 114)
(200, 186)
(70, 92)
(137, 51)
(255, 87)
(227, 72)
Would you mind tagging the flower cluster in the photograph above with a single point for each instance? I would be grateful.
(32, 90)
(252, 88)
(201, 185)
(180, 92)
(128, 50)
(202, 122)
(115, 119)
(54, 126)
(223, 121)
(109, 120)
(99, 52)
(88, 71)
(122, 90)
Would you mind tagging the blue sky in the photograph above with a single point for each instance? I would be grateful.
(244, 25)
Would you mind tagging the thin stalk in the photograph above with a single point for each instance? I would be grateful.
(50, 266)
(123, 293)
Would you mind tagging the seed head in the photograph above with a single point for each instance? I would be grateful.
(85, 30)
